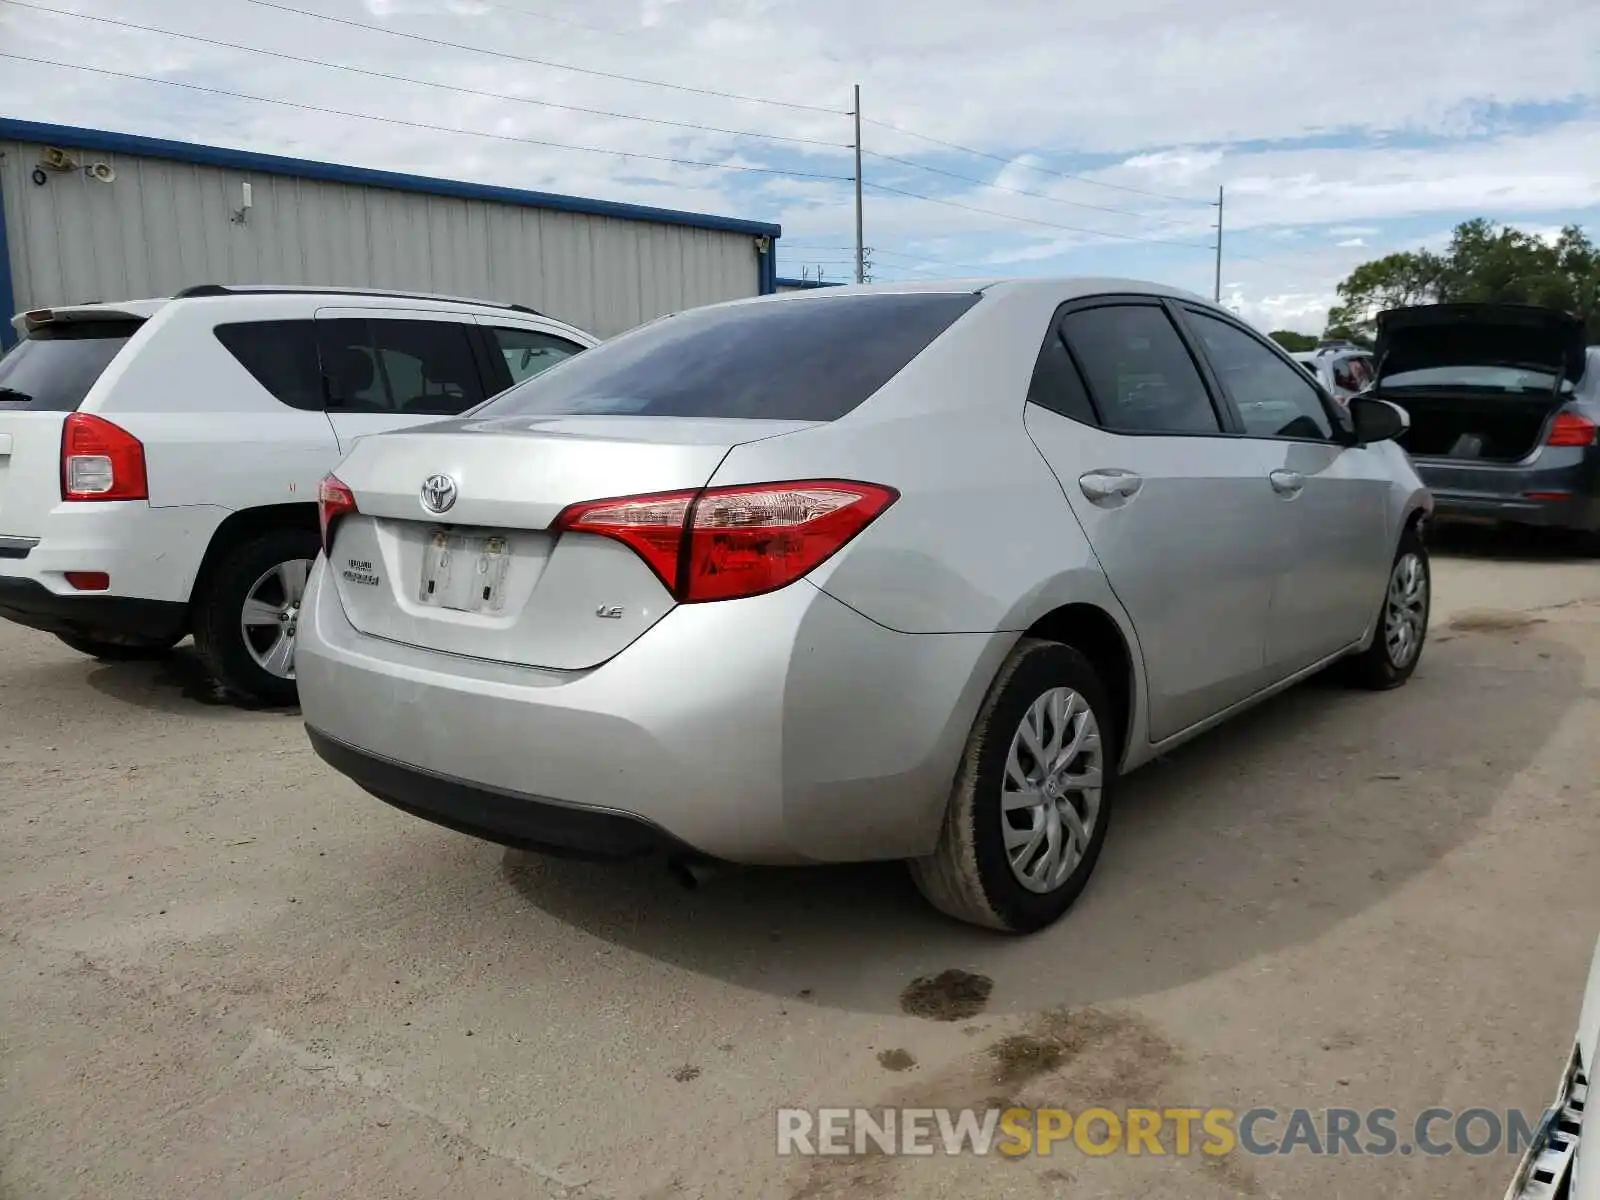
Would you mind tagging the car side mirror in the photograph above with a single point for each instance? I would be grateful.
(1376, 420)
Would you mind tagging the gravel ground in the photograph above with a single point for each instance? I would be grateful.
(227, 972)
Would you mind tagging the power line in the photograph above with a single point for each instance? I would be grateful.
(544, 16)
(1120, 187)
(937, 262)
(543, 62)
(499, 137)
(466, 91)
(989, 212)
(1000, 187)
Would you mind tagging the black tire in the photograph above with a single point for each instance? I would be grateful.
(1376, 668)
(220, 607)
(126, 650)
(969, 875)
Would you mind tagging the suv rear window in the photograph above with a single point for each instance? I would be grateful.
(811, 359)
(54, 366)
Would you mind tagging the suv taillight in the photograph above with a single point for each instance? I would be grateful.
(334, 501)
(101, 461)
(724, 543)
(1571, 429)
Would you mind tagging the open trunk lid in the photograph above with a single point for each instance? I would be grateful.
(1480, 382)
(1514, 336)
(488, 577)
(62, 355)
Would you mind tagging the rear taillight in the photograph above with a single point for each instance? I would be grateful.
(1571, 429)
(334, 501)
(723, 543)
(101, 461)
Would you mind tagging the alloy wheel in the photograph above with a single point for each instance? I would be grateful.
(271, 616)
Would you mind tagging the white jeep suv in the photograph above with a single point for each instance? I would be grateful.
(159, 459)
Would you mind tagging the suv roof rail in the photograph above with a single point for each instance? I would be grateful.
(201, 290)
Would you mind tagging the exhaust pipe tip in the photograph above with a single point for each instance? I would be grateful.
(690, 872)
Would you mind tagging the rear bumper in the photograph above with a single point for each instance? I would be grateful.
(1560, 490)
(1579, 513)
(151, 554)
(510, 818)
(785, 728)
(88, 614)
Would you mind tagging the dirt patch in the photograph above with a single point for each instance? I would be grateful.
(896, 1060)
(951, 995)
(1095, 1053)
(1022, 1057)
(1493, 620)
(1075, 1058)
(687, 1073)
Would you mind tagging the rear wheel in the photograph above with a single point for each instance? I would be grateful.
(1402, 621)
(247, 618)
(1032, 797)
(121, 649)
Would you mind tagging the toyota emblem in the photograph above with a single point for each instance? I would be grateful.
(438, 493)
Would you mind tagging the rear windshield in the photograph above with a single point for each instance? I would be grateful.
(53, 367)
(811, 359)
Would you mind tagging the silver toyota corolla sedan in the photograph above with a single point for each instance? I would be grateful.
(896, 572)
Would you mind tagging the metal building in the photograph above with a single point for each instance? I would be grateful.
(90, 215)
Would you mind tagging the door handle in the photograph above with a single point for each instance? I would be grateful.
(1287, 483)
(1109, 484)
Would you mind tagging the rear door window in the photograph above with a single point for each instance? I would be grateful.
(54, 366)
(395, 366)
(805, 359)
(528, 352)
(281, 356)
(1139, 371)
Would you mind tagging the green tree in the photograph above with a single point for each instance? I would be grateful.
(1293, 342)
(1484, 262)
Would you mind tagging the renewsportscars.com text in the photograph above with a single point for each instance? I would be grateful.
(1013, 1132)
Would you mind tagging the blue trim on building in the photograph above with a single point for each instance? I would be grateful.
(8, 295)
(301, 168)
(803, 284)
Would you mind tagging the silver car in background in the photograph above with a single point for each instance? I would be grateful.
(889, 572)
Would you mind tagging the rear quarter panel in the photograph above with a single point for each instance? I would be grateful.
(212, 434)
(981, 539)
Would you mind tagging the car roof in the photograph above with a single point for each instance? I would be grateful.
(1067, 287)
(215, 293)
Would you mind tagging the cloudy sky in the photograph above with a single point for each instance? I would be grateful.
(1015, 137)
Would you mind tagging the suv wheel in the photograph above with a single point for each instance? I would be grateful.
(1032, 797)
(246, 620)
(125, 650)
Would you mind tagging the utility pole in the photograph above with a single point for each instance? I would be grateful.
(1216, 287)
(861, 250)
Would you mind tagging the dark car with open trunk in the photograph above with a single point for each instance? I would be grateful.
(1504, 402)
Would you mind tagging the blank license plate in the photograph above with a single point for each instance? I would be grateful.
(463, 572)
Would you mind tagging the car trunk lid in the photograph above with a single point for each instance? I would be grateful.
(1479, 335)
(1481, 382)
(488, 577)
(44, 377)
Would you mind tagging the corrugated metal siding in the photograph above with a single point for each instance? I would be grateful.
(166, 225)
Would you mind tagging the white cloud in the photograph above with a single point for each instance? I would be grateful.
(1154, 96)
